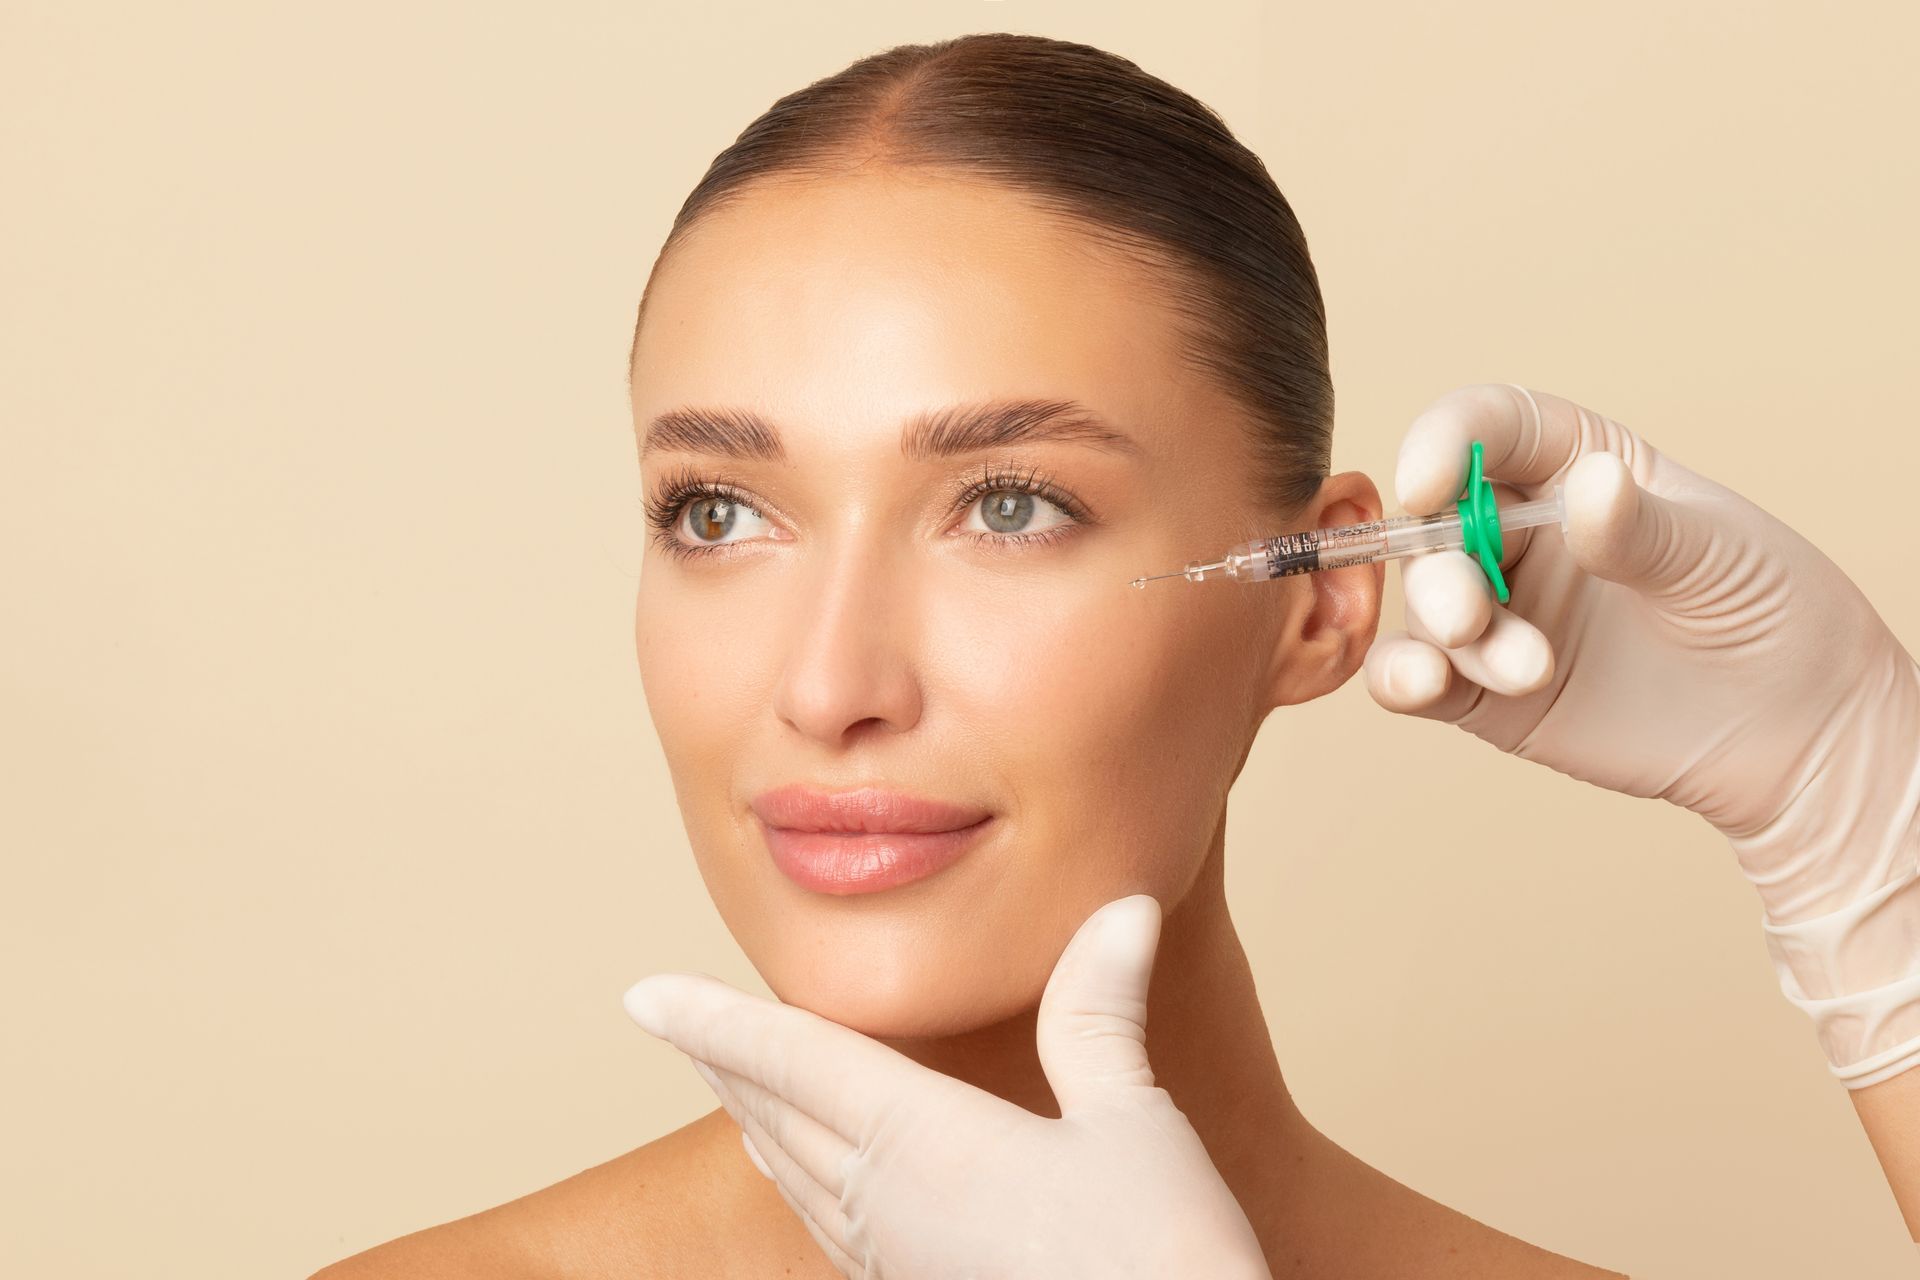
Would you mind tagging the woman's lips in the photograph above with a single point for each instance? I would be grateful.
(863, 841)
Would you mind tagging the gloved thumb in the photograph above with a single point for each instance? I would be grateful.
(1618, 531)
(1092, 1024)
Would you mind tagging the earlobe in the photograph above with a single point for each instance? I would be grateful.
(1327, 640)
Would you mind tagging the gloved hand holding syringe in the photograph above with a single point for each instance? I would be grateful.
(1474, 526)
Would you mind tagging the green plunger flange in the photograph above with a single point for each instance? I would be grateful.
(1480, 521)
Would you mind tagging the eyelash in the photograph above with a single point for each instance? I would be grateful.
(678, 488)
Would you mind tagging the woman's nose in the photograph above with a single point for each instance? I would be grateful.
(851, 667)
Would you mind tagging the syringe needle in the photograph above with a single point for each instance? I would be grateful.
(1195, 572)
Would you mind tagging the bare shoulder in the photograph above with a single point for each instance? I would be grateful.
(649, 1212)
(1374, 1225)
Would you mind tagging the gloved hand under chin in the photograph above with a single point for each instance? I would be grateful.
(1680, 642)
(898, 1170)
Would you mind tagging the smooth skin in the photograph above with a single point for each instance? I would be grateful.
(862, 625)
(1890, 1113)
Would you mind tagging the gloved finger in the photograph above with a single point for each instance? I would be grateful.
(1511, 657)
(753, 1154)
(1450, 594)
(811, 1202)
(842, 1260)
(817, 1150)
(1414, 678)
(1528, 437)
(841, 1078)
(1091, 1029)
(1618, 531)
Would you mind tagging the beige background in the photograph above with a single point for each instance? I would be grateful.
(334, 823)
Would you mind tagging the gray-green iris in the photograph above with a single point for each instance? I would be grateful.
(1008, 511)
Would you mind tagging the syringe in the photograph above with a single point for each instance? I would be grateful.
(1474, 526)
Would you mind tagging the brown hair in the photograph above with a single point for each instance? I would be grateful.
(1124, 156)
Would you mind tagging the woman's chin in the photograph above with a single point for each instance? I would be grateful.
(900, 1003)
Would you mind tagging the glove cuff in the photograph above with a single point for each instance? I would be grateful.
(1856, 973)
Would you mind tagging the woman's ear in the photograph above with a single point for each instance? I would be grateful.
(1326, 638)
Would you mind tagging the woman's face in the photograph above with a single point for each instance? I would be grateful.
(895, 561)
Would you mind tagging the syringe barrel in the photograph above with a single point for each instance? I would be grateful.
(1526, 515)
(1314, 549)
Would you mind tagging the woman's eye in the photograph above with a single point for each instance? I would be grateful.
(715, 518)
(1013, 511)
(711, 520)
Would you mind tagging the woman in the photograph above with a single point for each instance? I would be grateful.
(942, 351)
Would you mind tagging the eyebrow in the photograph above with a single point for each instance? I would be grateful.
(939, 433)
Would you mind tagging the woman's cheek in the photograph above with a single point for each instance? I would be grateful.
(1071, 684)
(704, 651)
(700, 697)
(1023, 656)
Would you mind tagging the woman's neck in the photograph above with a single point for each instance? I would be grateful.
(1207, 1041)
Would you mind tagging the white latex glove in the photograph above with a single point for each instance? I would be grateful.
(900, 1171)
(1706, 654)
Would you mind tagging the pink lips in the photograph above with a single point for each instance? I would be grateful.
(863, 841)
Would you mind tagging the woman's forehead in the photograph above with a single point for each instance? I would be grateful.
(881, 298)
